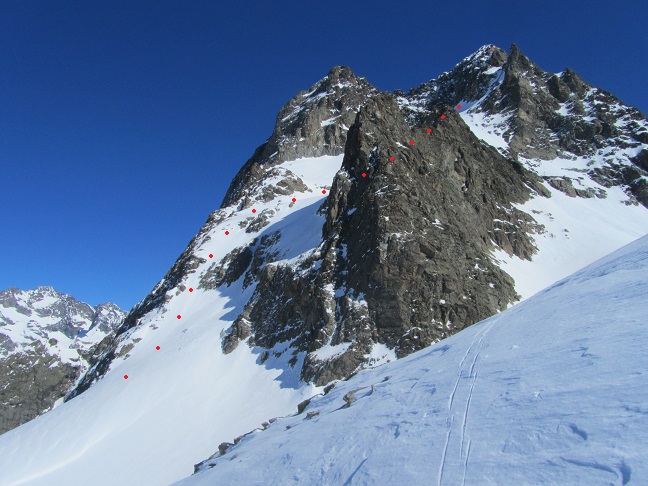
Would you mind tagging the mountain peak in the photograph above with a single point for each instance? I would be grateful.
(49, 291)
(313, 123)
(341, 72)
(486, 55)
(517, 59)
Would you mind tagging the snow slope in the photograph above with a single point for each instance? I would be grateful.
(181, 401)
(551, 391)
(577, 231)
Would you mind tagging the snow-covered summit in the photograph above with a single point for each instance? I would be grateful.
(56, 319)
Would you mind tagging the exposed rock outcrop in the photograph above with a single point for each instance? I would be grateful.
(404, 255)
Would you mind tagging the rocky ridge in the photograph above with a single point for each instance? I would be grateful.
(312, 124)
(540, 116)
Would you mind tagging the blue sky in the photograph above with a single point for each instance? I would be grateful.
(123, 122)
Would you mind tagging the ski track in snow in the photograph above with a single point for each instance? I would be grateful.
(472, 378)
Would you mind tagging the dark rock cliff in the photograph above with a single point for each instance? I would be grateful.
(404, 259)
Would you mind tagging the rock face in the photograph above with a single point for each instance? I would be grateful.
(427, 189)
(46, 339)
(376, 283)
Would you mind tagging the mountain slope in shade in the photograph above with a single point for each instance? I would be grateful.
(551, 391)
(46, 340)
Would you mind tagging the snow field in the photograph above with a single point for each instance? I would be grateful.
(577, 232)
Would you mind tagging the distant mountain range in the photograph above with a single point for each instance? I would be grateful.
(46, 340)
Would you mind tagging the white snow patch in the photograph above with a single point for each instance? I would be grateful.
(379, 355)
(329, 351)
(329, 121)
(577, 232)
(489, 128)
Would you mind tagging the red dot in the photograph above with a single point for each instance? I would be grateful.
(294, 199)
(391, 159)
(429, 130)
(190, 289)
(226, 233)
(364, 174)
(443, 117)
(411, 142)
(157, 347)
(458, 107)
(323, 191)
(254, 210)
(125, 377)
(211, 256)
(179, 316)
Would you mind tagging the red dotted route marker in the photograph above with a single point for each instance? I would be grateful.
(458, 107)
(364, 174)
(294, 199)
(411, 142)
(125, 377)
(429, 130)
(211, 256)
(391, 159)
(226, 233)
(323, 191)
(179, 316)
(190, 289)
(157, 347)
(443, 117)
(254, 211)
